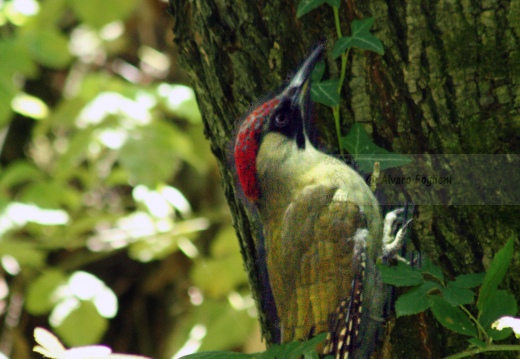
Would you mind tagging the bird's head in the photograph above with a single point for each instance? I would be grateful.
(287, 113)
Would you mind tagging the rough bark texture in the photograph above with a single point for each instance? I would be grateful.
(449, 82)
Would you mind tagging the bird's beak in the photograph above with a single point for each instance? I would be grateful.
(298, 88)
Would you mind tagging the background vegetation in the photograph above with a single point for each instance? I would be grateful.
(113, 228)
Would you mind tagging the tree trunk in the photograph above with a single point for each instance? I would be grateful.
(448, 83)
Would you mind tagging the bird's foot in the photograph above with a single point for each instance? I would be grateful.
(394, 234)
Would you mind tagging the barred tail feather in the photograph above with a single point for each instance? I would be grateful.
(346, 320)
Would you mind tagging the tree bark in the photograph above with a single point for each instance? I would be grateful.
(448, 83)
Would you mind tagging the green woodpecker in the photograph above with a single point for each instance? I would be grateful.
(322, 225)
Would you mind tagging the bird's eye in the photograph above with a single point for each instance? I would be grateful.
(280, 120)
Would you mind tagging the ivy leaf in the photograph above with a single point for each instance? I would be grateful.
(400, 275)
(416, 300)
(496, 271)
(306, 6)
(366, 153)
(326, 92)
(361, 38)
(451, 317)
(317, 73)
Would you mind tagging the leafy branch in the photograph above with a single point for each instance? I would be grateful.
(449, 301)
(327, 92)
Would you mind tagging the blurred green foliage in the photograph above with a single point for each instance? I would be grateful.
(113, 228)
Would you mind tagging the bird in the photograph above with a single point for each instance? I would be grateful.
(322, 227)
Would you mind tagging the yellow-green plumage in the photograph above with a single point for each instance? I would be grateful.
(311, 207)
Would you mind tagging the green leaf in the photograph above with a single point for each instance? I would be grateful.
(456, 295)
(427, 267)
(151, 153)
(503, 304)
(49, 48)
(361, 38)
(469, 280)
(451, 317)
(51, 195)
(495, 273)
(83, 325)
(218, 277)
(294, 350)
(416, 300)
(477, 342)
(366, 153)
(7, 93)
(39, 293)
(218, 317)
(326, 92)
(317, 73)
(219, 355)
(18, 59)
(400, 275)
(100, 12)
(19, 172)
(334, 3)
(507, 322)
(306, 6)
(26, 253)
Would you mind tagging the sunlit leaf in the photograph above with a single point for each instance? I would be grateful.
(19, 172)
(30, 106)
(49, 48)
(51, 195)
(83, 326)
(99, 12)
(40, 298)
(18, 60)
(49, 345)
(7, 93)
(218, 316)
(26, 253)
(217, 277)
(151, 154)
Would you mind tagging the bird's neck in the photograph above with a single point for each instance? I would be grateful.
(281, 167)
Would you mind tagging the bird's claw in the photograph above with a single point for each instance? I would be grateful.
(394, 233)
